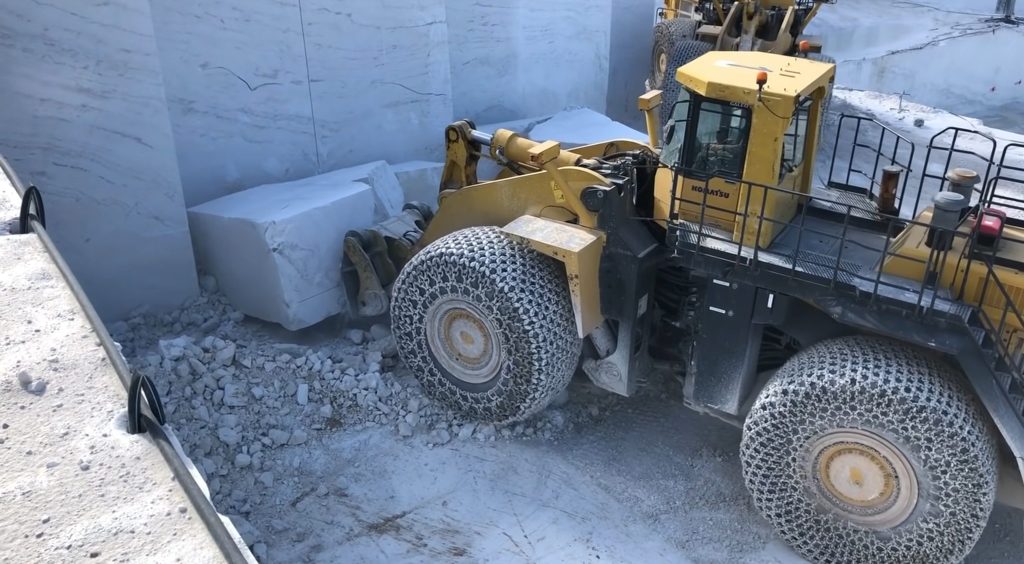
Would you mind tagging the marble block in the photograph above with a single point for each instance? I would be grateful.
(276, 249)
(388, 197)
(420, 180)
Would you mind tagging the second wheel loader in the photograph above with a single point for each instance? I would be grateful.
(864, 334)
(686, 29)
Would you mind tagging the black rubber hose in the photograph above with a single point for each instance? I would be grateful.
(31, 198)
(203, 506)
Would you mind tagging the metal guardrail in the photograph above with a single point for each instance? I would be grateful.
(1006, 188)
(868, 284)
(891, 149)
(950, 143)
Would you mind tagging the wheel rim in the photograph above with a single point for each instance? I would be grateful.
(463, 340)
(864, 478)
(660, 67)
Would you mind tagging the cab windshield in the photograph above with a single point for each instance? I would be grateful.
(706, 137)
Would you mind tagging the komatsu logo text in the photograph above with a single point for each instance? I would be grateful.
(714, 192)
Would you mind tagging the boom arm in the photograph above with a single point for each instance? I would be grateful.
(464, 147)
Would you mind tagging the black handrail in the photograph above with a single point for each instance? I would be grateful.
(960, 137)
(1007, 175)
(902, 155)
(833, 273)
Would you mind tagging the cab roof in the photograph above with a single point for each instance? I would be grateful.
(732, 75)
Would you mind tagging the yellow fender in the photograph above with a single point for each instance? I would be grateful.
(531, 210)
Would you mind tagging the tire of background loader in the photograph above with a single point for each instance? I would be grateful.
(668, 34)
(684, 53)
(903, 394)
(521, 293)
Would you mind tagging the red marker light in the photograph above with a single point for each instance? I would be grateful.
(762, 78)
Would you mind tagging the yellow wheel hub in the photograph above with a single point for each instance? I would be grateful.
(659, 73)
(864, 478)
(463, 340)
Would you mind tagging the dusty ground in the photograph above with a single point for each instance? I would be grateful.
(322, 448)
(651, 482)
(645, 481)
(596, 479)
(75, 486)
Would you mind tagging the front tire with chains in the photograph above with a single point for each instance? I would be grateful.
(520, 302)
(881, 397)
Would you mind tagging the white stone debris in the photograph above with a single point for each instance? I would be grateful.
(251, 411)
(31, 384)
(357, 336)
(208, 283)
(24, 378)
(234, 395)
(37, 387)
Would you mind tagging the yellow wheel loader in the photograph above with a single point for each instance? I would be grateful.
(865, 334)
(686, 29)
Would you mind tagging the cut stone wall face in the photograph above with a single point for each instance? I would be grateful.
(125, 114)
(84, 118)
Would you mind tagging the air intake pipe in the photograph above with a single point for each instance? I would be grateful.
(946, 215)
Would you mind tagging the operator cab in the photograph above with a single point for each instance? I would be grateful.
(730, 134)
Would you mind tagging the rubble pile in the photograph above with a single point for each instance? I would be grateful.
(236, 397)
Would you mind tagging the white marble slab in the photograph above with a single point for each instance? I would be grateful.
(518, 58)
(380, 79)
(83, 116)
(420, 180)
(235, 74)
(632, 37)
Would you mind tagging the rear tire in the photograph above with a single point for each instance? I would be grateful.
(486, 325)
(667, 35)
(862, 449)
(685, 52)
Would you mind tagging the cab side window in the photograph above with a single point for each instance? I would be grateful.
(795, 141)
